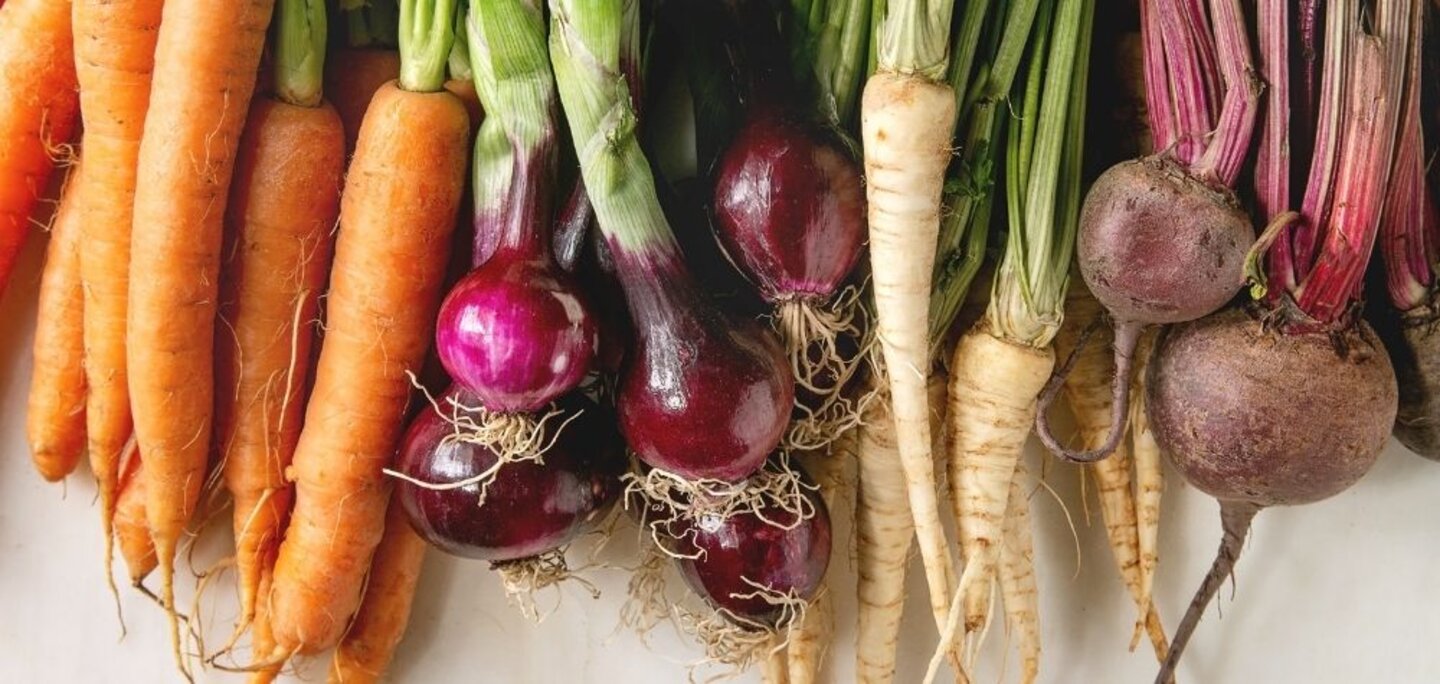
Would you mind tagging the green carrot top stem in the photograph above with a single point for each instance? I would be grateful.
(587, 38)
(300, 36)
(1043, 162)
(371, 23)
(915, 38)
(459, 62)
(427, 31)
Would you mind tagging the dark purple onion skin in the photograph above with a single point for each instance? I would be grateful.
(1259, 416)
(701, 395)
(1156, 245)
(530, 508)
(789, 205)
(745, 547)
(518, 332)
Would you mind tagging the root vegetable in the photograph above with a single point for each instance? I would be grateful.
(55, 414)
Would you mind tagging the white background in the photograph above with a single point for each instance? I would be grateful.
(1347, 590)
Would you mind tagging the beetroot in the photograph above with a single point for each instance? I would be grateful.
(769, 551)
(1415, 350)
(530, 507)
(1257, 417)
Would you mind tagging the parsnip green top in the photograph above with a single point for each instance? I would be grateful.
(915, 38)
(1042, 177)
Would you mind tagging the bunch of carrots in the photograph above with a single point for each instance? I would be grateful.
(389, 274)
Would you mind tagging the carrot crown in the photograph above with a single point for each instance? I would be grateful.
(300, 37)
(427, 32)
(587, 39)
(1043, 157)
(914, 38)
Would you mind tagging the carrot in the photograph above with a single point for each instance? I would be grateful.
(279, 224)
(114, 57)
(369, 644)
(1087, 391)
(55, 419)
(262, 635)
(907, 118)
(131, 530)
(37, 87)
(397, 213)
(1017, 578)
(206, 56)
(1149, 481)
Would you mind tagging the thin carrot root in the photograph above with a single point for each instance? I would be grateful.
(666, 498)
(131, 530)
(907, 123)
(1149, 484)
(262, 637)
(993, 388)
(1018, 589)
(55, 415)
(370, 642)
(826, 345)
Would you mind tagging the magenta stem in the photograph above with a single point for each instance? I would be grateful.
(1324, 156)
(1230, 142)
(1158, 101)
(1407, 225)
(1272, 161)
(1187, 78)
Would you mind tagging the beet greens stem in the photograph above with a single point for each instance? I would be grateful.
(1325, 153)
(1272, 161)
(1407, 227)
(1230, 141)
(1235, 519)
(1186, 61)
(1159, 99)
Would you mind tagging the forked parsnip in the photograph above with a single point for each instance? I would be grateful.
(884, 531)
(1000, 367)
(1087, 393)
(1149, 488)
(833, 469)
(1018, 589)
(907, 120)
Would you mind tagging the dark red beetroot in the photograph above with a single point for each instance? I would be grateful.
(1156, 246)
(702, 396)
(1415, 351)
(529, 508)
(1257, 418)
(740, 556)
(790, 207)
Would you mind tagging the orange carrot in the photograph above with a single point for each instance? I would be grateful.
(205, 60)
(131, 530)
(352, 76)
(280, 223)
(369, 644)
(262, 636)
(114, 56)
(37, 89)
(55, 421)
(397, 213)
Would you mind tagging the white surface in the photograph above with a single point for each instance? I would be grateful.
(1342, 591)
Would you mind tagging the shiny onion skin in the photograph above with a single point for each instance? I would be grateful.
(734, 554)
(530, 508)
(789, 206)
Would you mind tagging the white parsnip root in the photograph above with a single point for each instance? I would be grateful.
(993, 388)
(1149, 482)
(1018, 589)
